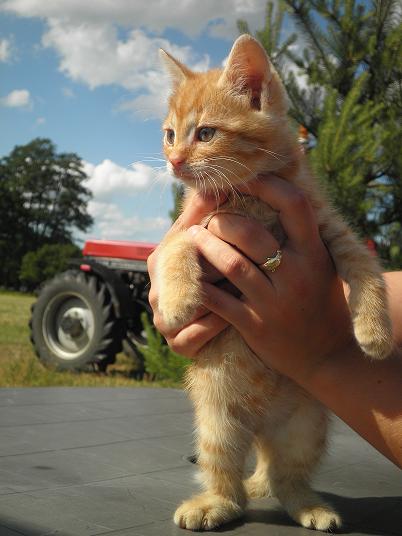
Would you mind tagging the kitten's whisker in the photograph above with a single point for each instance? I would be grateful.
(150, 159)
(277, 156)
(159, 153)
(215, 188)
(200, 180)
(215, 166)
(232, 189)
(230, 159)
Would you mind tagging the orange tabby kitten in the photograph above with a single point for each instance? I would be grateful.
(223, 128)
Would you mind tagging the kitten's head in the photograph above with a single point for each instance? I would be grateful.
(226, 125)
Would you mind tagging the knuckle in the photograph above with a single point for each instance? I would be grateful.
(174, 345)
(298, 201)
(257, 324)
(247, 231)
(181, 347)
(235, 266)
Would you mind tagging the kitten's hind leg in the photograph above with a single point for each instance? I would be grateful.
(356, 265)
(296, 448)
(223, 443)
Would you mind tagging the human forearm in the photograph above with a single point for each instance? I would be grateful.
(367, 395)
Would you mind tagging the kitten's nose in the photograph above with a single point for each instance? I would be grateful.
(177, 161)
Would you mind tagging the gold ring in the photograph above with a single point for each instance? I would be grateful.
(272, 263)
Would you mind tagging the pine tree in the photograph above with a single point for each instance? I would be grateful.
(160, 362)
(342, 69)
(178, 196)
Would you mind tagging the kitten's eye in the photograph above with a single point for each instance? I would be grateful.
(206, 133)
(169, 136)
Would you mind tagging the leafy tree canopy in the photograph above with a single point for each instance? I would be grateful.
(42, 201)
(43, 264)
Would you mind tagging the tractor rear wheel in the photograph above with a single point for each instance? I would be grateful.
(73, 324)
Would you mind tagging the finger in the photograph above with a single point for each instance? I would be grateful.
(294, 209)
(246, 234)
(196, 207)
(234, 266)
(192, 338)
(227, 307)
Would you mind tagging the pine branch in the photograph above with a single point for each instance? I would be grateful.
(313, 33)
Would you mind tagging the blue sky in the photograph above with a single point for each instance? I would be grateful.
(87, 76)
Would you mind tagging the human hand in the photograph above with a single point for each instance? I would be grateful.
(292, 318)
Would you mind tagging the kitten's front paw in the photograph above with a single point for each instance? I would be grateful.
(177, 307)
(205, 512)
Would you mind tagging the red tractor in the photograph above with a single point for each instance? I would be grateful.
(86, 315)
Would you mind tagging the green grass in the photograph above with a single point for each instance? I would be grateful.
(19, 366)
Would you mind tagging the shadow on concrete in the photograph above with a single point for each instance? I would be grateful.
(379, 516)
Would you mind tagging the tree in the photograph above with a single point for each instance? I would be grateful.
(160, 362)
(178, 196)
(42, 201)
(43, 264)
(343, 75)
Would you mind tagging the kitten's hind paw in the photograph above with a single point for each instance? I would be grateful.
(257, 487)
(374, 339)
(206, 512)
(320, 517)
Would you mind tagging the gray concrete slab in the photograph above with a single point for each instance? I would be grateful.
(88, 462)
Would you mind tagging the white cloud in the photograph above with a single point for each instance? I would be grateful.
(112, 224)
(18, 98)
(108, 177)
(5, 50)
(40, 121)
(189, 16)
(111, 183)
(93, 54)
(92, 50)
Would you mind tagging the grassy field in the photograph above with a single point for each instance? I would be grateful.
(19, 366)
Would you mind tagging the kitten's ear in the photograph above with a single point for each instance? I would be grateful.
(176, 70)
(249, 71)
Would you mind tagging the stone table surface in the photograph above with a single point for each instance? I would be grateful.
(113, 461)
